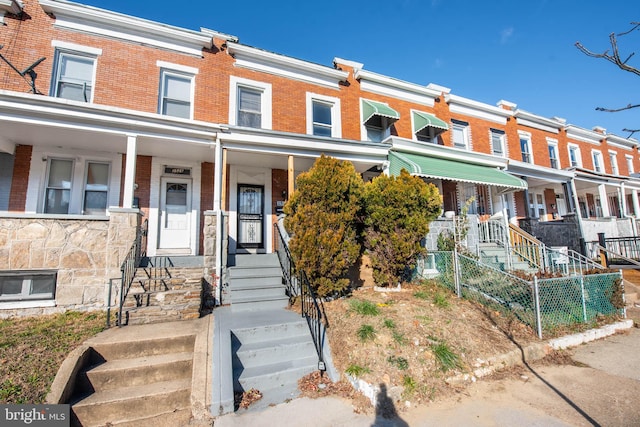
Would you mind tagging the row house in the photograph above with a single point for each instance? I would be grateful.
(108, 121)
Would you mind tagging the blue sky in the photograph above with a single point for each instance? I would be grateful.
(521, 51)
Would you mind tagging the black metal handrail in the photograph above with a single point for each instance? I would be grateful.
(626, 247)
(297, 284)
(131, 263)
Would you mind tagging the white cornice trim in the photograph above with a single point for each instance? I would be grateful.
(584, 135)
(97, 21)
(353, 64)
(538, 122)
(537, 171)
(434, 150)
(285, 66)
(460, 105)
(394, 88)
(624, 143)
(218, 35)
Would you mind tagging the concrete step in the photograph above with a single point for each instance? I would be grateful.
(142, 347)
(273, 396)
(255, 271)
(266, 303)
(133, 403)
(179, 417)
(257, 281)
(256, 293)
(271, 333)
(264, 353)
(284, 374)
(257, 260)
(140, 370)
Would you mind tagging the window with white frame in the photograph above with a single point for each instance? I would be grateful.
(525, 148)
(323, 116)
(460, 134)
(27, 285)
(176, 94)
(613, 160)
(553, 155)
(497, 142)
(250, 103)
(67, 191)
(74, 76)
(597, 161)
(630, 168)
(575, 161)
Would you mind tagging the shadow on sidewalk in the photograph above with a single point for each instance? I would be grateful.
(386, 413)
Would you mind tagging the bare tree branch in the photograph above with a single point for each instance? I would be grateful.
(613, 57)
(630, 130)
(615, 110)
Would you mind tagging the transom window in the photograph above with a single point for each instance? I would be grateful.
(74, 76)
(497, 142)
(27, 285)
(176, 94)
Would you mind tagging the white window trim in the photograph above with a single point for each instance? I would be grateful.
(265, 100)
(336, 120)
(72, 49)
(615, 168)
(177, 67)
(629, 160)
(466, 131)
(526, 136)
(554, 143)
(598, 154)
(578, 155)
(503, 142)
(192, 89)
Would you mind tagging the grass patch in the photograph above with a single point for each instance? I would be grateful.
(409, 385)
(447, 359)
(366, 333)
(421, 295)
(389, 323)
(32, 349)
(441, 300)
(399, 338)
(357, 370)
(365, 308)
(399, 362)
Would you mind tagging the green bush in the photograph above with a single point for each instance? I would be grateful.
(322, 218)
(398, 211)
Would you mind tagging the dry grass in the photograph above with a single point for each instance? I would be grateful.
(32, 349)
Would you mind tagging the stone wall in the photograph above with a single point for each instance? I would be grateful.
(210, 231)
(85, 251)
(564, 232)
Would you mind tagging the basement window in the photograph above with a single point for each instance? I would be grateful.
(27, 285)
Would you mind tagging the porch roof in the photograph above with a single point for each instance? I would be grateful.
(433, 167)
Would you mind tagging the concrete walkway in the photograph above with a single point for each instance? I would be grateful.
(602, 393)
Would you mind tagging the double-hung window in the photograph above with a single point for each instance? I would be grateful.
(553, 155)
(630, 169)
(74, 71)
(613, 160)
(460, 134)
(96, 188)
(250, 103)
(597, 161)
(497, 142)
(574, 156)
(525, 148)
(175, 98)
(58, 188)
(323, 116)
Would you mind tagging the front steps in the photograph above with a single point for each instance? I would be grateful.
(165, 289)
(143, 379)
(495, 256)
(255, 283)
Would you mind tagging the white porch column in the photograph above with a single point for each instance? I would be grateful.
(218, 176)
(604, 201)
(636, 203)
(622, 200)
(130, 172)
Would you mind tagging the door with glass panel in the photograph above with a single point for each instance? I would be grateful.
(175, 214)
(250, 216)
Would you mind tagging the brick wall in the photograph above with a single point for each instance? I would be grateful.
(20, 179)
(206, 198)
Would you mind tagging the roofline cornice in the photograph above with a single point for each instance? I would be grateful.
(279, 61)
(11, 6)
(395, 83)
(98, 21)
(618, 140)
(585, 135)
(469, 103)
(535, 119)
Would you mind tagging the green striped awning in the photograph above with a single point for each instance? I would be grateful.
(373, 108)
(423, 120)
(435, 167)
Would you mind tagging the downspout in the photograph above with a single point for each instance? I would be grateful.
(217, 206)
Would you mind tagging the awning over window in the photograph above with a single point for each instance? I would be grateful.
(373, 108)
(435, 167)
(425, 120)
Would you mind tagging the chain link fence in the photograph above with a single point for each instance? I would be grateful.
(542, 304)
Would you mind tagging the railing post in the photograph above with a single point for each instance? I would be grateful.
(456, 272)
(536, 303)
(602, 241)
(584, 303)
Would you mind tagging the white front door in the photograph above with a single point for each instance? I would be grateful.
(175, 213)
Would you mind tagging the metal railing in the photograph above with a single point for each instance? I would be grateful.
(131, 263)
(625, 247)
(607, 256)
(297, 283)
(492, 231)
(526, 246)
